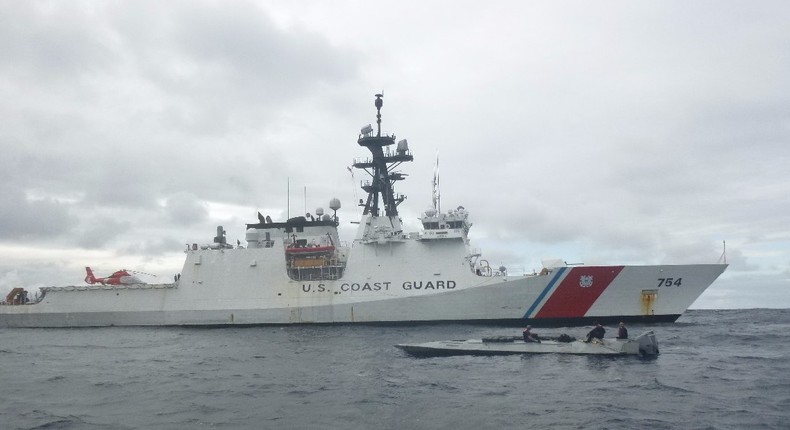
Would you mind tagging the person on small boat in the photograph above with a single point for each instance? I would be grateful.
(622, 332)
(596, 333)
(529, 336)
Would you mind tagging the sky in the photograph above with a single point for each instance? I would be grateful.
(597, 133)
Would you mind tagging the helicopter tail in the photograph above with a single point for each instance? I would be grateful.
(90, 278)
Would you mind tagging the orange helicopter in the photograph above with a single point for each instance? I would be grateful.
(120, 277)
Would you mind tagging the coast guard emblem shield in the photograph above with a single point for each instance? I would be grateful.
(585, 281)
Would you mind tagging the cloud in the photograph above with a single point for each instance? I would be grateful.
(52, 44)
(216, 69)
(185, 207)
(24, 218)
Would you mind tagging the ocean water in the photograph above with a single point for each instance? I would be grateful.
(718, 369)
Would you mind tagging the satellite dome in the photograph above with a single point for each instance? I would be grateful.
(253, 235)
(430, 212)
(334, 204)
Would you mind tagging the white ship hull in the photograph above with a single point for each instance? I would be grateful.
(249, 287)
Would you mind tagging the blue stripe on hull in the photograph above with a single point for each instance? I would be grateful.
(545, 291)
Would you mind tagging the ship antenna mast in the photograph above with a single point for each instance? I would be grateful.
(381, 168)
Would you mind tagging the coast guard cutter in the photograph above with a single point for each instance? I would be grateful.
(299, 272)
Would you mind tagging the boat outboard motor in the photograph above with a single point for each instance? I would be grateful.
(648, 345)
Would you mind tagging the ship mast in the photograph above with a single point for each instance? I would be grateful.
(381, 168)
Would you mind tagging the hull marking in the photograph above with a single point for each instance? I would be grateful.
(545, 291)
(576, 293)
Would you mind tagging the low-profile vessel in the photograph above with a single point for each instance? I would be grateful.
(645, 345)
(298, 271)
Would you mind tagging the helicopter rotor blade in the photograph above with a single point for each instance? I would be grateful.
(142, 273)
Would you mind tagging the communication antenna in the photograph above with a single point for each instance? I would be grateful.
(723, 257)
(437, 197)
(379, 104)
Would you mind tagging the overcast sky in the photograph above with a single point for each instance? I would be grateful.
(599, 133)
